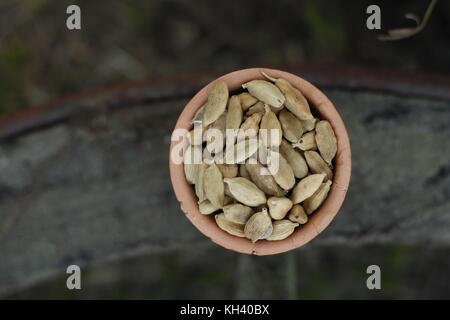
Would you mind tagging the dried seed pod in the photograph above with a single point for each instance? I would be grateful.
(307, 142)
(213, 185)
(215, 141)
(258, 226)
(190, 171)
(217, 102)
(294, 158)
(245, 191)
(282, 229)
(313, 203)
(192, 159)
(265, 92)
(195, 136)
(306, 187)
(198, 117)
(241, 151)
(243, 172)
(250, 127)
(326, 141)
(237, 213)
(228, 170)
(309, 125)
(205, 133)
(228, 192)
(263, 179)
(234, 114)
(268, 232)
(295, 100)
(317, 164)
(262, 153)
(272, 126)
(278, 207)
(230, 227)
(291, 125)
(247, 100)
(282, 173)
(206, 207)
(256, 108)
(199, 189)
(298, 214)
(210, 158)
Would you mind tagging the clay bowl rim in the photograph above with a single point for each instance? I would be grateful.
(318, 221)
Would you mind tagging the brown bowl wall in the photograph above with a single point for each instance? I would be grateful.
(318, 221)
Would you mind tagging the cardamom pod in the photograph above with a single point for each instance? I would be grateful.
(280, 170)
(195, 136)
(213, 185)
(230, 227)
(206, 207)
(298, 214)
(250, 127)
(262, 152)
(313, 203)
(295, 100)
(261, 176)
(199, 188)
(326, 140)
(294, 158)
(241, 151)
(265, 92)
(198, 117)
(256, 108)
(216, 104)
(190, 171)
(258, 226)
(309, 125)
(247, 100)
(272, 133)
(306, 187)
(192, 160)
(307, 142)
(227, 191)
(282, 229)
(278, 207)
(245, 191)
(247, 144)
(228, 170)
(215, 134)
(318, 165)
(237, 213)
(291, 125)
(234, 115)
(243, 172)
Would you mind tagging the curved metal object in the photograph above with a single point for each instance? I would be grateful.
(342, 77)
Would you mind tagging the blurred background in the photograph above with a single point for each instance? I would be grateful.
(122, 40)
(41, 60)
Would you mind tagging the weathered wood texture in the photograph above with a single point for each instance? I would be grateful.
(94, 185)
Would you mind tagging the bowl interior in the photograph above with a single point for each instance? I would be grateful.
(321, 106)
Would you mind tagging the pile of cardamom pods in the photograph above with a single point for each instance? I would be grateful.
(259, 186)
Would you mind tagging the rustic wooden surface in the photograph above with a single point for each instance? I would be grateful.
(90, 183)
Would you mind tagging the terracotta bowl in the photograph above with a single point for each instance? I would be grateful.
(318, 220)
